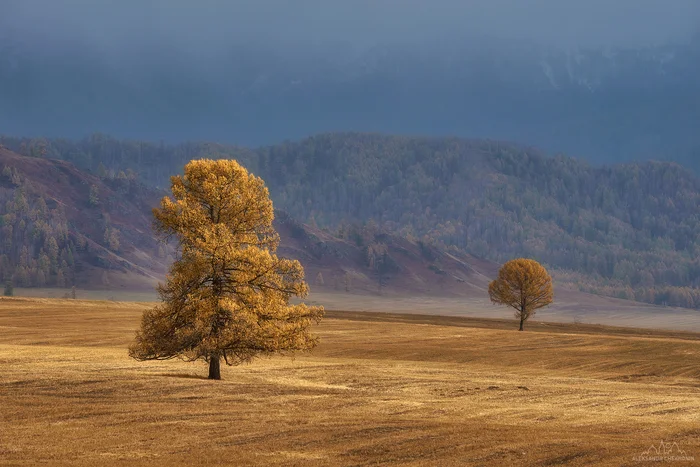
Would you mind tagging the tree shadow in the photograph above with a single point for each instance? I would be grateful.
(183, 375)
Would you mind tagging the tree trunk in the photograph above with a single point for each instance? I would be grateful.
(215, 367)
(522, 321)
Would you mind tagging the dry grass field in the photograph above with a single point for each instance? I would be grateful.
(569, 307)
(380, 389)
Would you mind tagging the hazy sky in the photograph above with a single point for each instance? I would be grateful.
(202, 26)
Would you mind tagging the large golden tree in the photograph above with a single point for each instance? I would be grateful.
(227, 295)
(523, 284)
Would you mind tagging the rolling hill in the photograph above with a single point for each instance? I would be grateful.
(373, 261)
(628, 231)
(62, 226)
(53, 220)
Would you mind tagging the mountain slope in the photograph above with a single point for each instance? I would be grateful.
(369, 260)
(629, 230)
(54, 218)
(62, 226)
(626, 230)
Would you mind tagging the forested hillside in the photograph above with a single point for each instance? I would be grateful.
(60, 227)
(630, 231)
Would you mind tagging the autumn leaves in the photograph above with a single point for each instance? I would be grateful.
(227, 295)
(522, 284)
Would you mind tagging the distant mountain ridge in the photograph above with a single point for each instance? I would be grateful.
(628, 231)
(62, 227)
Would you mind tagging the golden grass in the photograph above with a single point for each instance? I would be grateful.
(380, 389)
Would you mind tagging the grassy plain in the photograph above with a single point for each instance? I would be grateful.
(380, 389)
(569, 307)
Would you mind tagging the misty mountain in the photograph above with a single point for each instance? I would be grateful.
(627, 230)
(63, 227)
(604, 104)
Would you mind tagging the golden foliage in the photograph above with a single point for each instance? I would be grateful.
(227, 296)
(523, 284)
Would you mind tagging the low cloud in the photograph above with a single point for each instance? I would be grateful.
(211, 26)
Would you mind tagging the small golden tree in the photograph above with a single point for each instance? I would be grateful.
(227, 295)
(523, 284)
